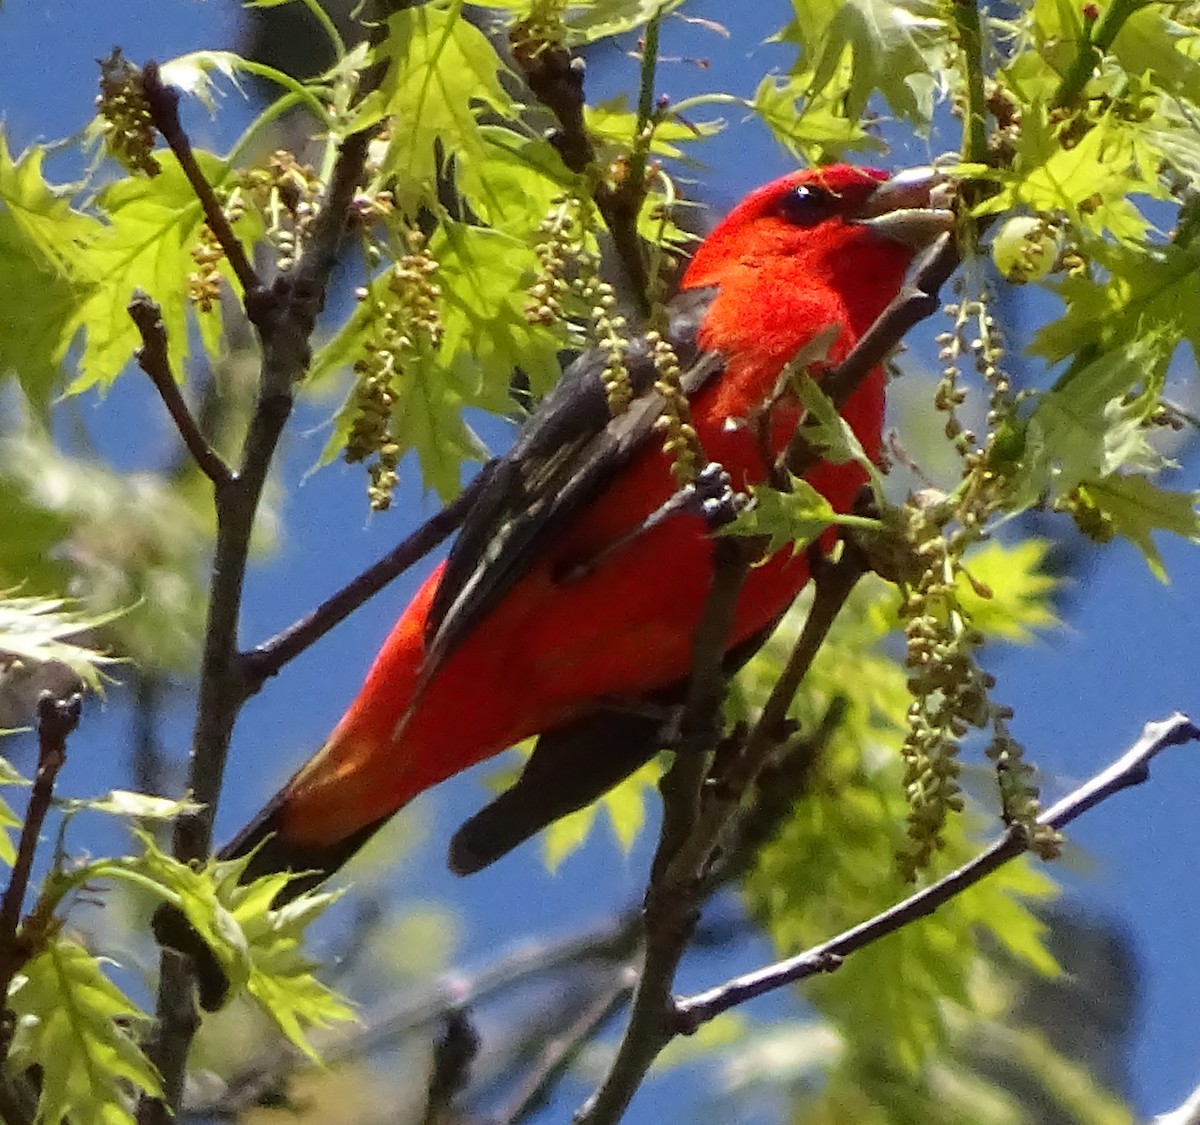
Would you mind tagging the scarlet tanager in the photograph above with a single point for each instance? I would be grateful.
(558, 613)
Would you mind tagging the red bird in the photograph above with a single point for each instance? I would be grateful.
(557, 613)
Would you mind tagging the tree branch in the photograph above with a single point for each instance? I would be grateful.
(152, 358)
(672, 904)
(453, 1052)
(57, 718)
(164, 112)
(555, 77)
(285, 316)
(558, 1055)
(266, 659)
(1132, 768)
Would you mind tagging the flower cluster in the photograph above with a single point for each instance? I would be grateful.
(405, 323)
(681, 442)
(125, 116)
(204, 282)
(286, 194)
(951, 694)
(570, 265)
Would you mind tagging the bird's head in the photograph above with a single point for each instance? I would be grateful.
(840, 237)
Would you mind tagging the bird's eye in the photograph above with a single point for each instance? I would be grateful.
(806, 205)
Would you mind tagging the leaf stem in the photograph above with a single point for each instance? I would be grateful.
(1096, 38)
(970, 42)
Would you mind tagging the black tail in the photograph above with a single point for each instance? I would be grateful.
(273, 852)
(574, 765)
(570, 767)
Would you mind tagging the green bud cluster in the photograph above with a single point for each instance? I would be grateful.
(405, 323)
(125, 116)
(570, 266)
(1092, 520)
(286, 194)
(951, 694)
(542, 26)
(681, 442)
(204, 283)
(948, 690)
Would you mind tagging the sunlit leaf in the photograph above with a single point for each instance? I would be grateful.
(74, 1024)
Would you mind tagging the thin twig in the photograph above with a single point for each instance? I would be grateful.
(833, 583)
(57, 718)
(969, 32)
(1132, 768)
(1098, 36)
(164, 112)
(266, 659)
(558, 1055)
(153, 359)
(555, 77)
(915, 302)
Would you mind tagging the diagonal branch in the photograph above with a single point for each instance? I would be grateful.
(266, 659)
(917, 301)
(153, 360)
(1132, 768)
(163, 102)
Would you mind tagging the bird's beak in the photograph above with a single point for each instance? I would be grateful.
(913, 207)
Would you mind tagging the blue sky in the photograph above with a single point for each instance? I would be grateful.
(1125, 654)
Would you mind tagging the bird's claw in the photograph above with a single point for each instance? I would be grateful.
(713, 497)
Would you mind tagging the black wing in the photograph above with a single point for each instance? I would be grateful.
(564, 456)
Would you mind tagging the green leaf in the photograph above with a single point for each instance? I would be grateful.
(590, 20)
(35, 630)
(1137, 507)
(441, 73)
(153, 226)
(816, 129)
(828, 432)
(1151, 42)
(614, 124)
(900, 49)
(797, 517)
(624, 806)
(1089, 425)
(567, 835)
(1021, 591)
(125, 802)
(41, 242)
(1091, 180)
(73, 1023)
(281, 976)
(257, 946)
(197, 895)
(1145, 290)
